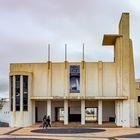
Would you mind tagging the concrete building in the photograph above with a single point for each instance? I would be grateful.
(78, 91)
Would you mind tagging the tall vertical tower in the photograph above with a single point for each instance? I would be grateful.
(126, 114)
(125, 71)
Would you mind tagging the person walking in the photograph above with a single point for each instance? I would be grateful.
(45, 122)
(49, 121)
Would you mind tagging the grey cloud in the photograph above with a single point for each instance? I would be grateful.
(27, 26)
(3, 87)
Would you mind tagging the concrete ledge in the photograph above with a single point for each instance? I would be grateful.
(79, 97)
(110, 39)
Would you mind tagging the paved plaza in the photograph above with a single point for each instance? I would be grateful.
(56, 133)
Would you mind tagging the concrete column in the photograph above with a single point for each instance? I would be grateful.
(49, 86)
(117, 113)
(66, 79)
(65, 112)
(49, 108)
(82, 112)
(31, 103)
(33, 111)
(100, 78)
(126, 113)
(120, 113)
(99, 112)
(83, 77)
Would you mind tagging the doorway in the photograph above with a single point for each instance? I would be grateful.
(74, 114)
(59, 113)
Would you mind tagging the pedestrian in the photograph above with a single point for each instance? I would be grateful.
(49, 121)
(45, 123)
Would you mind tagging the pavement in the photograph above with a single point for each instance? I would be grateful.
(60, 133)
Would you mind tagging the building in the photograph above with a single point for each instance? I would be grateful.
(4, 111)
(78, 91)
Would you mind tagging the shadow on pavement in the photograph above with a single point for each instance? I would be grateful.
(67, 130)
(130, 136)
(137, 135)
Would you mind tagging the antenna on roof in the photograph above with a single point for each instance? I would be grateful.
(83, 55)
(48, 52)
(65, 52)
(83, 52)
(65, 56)
(49, 62)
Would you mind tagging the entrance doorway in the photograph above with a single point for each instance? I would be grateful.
(59, 113)
(36, 112)
(74, 114)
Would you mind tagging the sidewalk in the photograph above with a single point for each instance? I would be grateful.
(55, 133)
(5, 130)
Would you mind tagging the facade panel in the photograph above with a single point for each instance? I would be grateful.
(91, 79)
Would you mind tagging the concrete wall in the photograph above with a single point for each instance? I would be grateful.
(108, 110)
(91, 79)
(58, 79)
(42, 109)
(40, 79)
(109, 79)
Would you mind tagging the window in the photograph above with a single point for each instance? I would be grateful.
(75, 79)
(91, 114)
(11, 90)
(138, 98)
(25, 93)
(17, 88)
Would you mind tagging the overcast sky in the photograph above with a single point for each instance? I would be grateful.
(27, 26)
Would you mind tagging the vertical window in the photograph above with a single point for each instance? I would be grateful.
(17, 86)
(75, 79)
(138, 98)
(25, 93)
(11, 91)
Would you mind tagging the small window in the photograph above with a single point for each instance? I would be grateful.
(11, 91)
(138, 98)
(17, 97)
(25, 93)
(91, 114)
(75, 79)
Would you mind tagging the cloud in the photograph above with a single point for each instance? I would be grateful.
(3, 87)
(27, 27)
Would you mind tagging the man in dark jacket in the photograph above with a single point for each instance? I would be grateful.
(48, 121)
(45, 122)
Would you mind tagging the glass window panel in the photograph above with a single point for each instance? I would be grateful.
(25, 93)
(75, 79)
(11, 90)
(91, 114)
(17, 86)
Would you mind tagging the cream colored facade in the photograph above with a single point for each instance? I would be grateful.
(107, 86)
